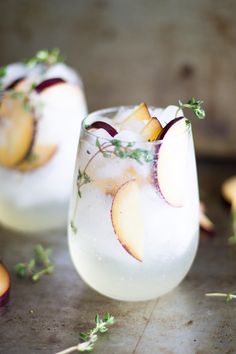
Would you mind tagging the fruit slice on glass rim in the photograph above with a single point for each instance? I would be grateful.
(102, 125)
(38, 157)
(151, 130)
(170, 163)
(127, 218)
(140, 113)
(16, 130)
(4, 284)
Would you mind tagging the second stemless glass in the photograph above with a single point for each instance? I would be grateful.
(126, 241)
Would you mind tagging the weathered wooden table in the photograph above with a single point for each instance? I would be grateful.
(47, 316)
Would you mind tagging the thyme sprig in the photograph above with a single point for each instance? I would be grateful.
(125, 151)
(39, 265)
(227, 296)
(47, 57)
(113, 148)
(194, 105)
(89, 338)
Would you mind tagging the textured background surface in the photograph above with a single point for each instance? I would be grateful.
(138, 50)
(47, 316)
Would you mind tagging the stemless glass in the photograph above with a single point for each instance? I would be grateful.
(125, 238)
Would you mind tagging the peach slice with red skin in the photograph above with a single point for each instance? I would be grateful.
(127, 218)
(170, 162)
(37, 158)
(102, 125)
(151, 130)
(16, 131)
(4, 284)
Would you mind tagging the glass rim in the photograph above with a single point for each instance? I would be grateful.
(103, 111)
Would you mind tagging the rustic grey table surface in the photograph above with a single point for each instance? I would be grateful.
(47, 316)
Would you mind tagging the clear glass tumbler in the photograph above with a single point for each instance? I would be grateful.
(134, 214)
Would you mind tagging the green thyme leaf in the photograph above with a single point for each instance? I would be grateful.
(47, 57)
(3, 71)
(37, 266)
(194, 105)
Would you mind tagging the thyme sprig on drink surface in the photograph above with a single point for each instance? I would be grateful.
(38, 266)
(114, 147)
(89, 338)
(109, 149)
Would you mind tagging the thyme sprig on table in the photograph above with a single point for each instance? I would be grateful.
(111, 148)
(194, 105)
(89, 338)
(227, 296)
(38, 266)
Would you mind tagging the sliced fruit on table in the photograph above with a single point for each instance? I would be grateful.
(205, 223)
(170, 162)
(127, 218)
(102, 125)
(140, 113)
(38, 157)
(16, 130)
(151, 130)
(228, 189)
(4, 284)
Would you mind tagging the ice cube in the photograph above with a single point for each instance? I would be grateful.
(129, 136)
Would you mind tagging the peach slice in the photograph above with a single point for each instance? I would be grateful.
(127, 218)
(110, 185)
(205, 223)
(170, 164)
(16, 131)
(228, 189)
(140, 113)
(4, 284)
(39, 156)
(151, 130)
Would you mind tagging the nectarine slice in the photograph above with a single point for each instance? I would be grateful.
(37, 158)
(169, 166)
(205, 223)
(229, 189)
(4, 284)
(16, 131)
(139, 113)
(151, 130)
(127, 218)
